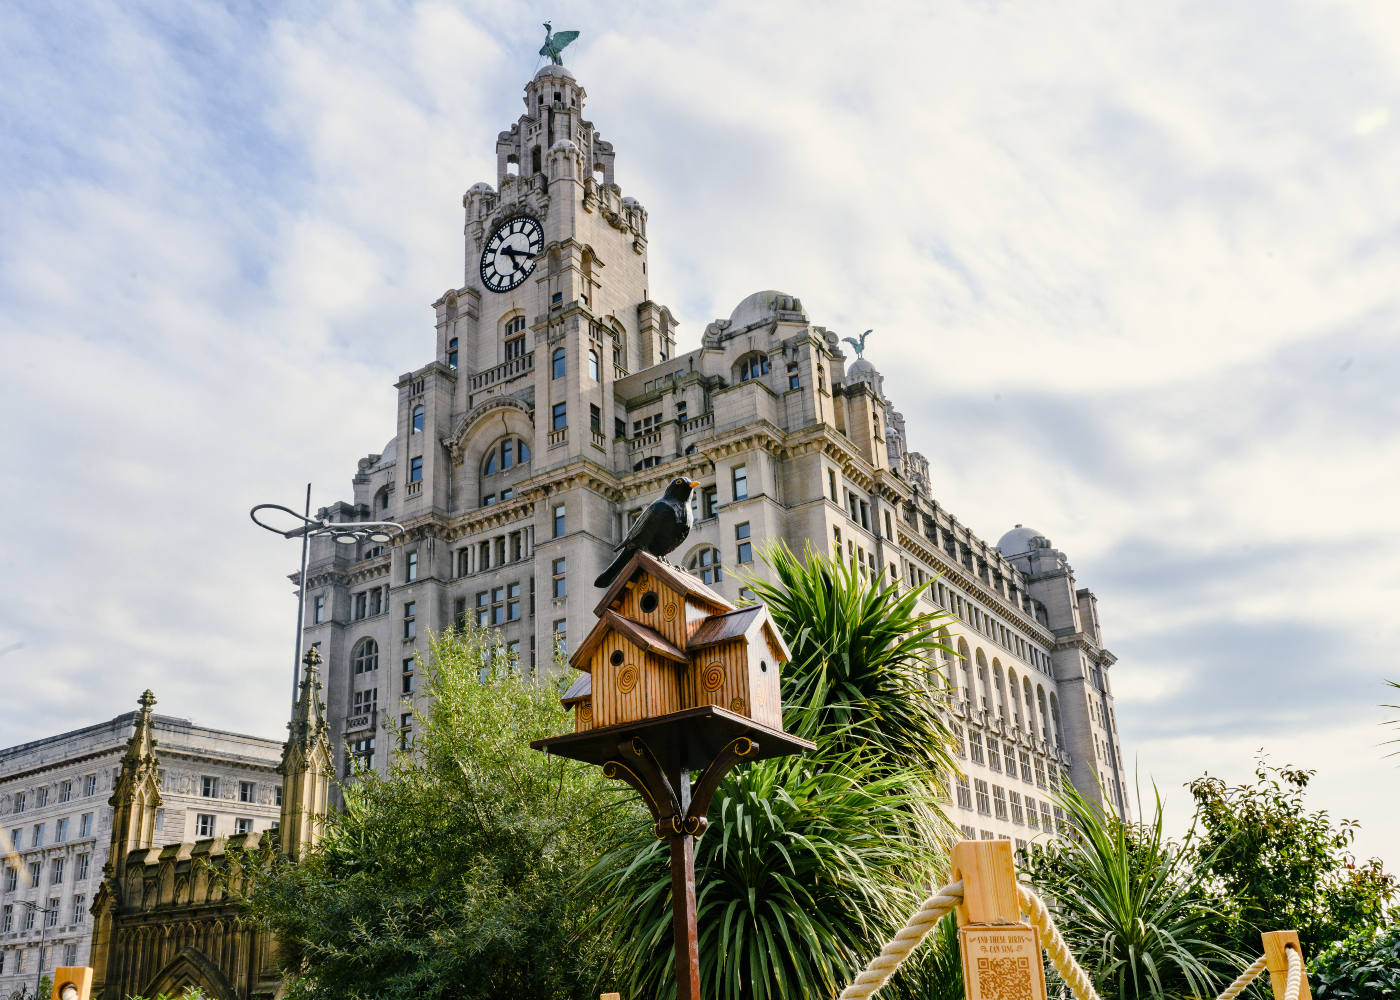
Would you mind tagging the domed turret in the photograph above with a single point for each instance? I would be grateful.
(1021, 539)
(763, 307)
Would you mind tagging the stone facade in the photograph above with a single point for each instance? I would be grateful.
(552, 412)
(55, 813)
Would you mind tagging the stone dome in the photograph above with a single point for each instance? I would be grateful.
(557, 71)
(1020, 539)
(481, 186)
(861, 367)
(563, 144)
(761, 307)
(390, 452)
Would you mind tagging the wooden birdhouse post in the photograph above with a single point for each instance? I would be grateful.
(675, 679)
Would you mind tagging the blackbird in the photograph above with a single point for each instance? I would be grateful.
(660, 530)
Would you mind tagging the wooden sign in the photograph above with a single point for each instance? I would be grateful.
(72, 983)
(1001, 962)
(1276, 945)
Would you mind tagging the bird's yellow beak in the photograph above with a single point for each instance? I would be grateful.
(694, 483)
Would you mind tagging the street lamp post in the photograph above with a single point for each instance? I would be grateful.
(347, 533)
(43, 936)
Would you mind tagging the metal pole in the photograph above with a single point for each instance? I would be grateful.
(43, 935)
(301, 606)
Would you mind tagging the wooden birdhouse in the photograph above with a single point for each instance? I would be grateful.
(665, 643)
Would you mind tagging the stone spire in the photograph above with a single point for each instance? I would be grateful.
(306, 763)
(136, 795)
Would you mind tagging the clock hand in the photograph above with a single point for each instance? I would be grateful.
(506, 249)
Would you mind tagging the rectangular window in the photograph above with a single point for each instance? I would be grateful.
(209, 787)
(60, 831)
(515, 348)
(561, 637)
(459, 613)
(320, 616)
(82, 872)
(38, 835)
(975, 740)
(1017, 816)
(377, 601)
(70, 954)
(242, 826)
(959, 742)
(483, 608)
(1026, 767)
(794, 382)
(29, 912)
(745, 547)
(407, 676)
(831, 484)
(412, 576)
(65, 791)
(1045, 817)
(276, 799)
(51, 917)
(90, 785)
(595, 418)
(889, 531)
(709, 502)
(964, 792)
(1040, 772)
(246, 791)
(160, 819)
(865, 515)
(1032, 820)
(11, 879)
(415, 469)
(513, 602)
(984, 801)
(204, 825)
(1060, 825)
(43, 798)
(56, 871)
(35, 870)
(994, 756)
(559, 521)
(741, 482)
(968, 832)
(561, 588)
(7, 922)
(410, 629)
(999, 800)
(561, 416)
(498, 606)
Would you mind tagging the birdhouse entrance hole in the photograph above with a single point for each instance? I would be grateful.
(649, 602)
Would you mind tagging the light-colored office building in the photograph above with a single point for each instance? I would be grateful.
(557, 402)
(56, 823)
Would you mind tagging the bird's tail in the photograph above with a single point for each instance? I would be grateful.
(610, 574)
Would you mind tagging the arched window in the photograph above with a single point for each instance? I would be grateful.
(417, 420)
(490, 468)
(1055, 719)
(365, 658)
(821, 378)
(1044, 714)
(1030, 704)
(1001, 689)
(985, 682)
(508, 454)
(1015, 690)
(753, 367)
(705, 565)
(558, 362)
(593, 365)
(965, 659)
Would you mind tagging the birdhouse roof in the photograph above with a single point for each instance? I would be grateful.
(750, 621)
(677, 579)
(581, 688)
(648, 639)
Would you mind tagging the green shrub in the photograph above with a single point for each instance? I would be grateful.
(1364, 966)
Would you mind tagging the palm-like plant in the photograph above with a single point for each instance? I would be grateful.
(860, 672)
(808, 865)
(1126, 902)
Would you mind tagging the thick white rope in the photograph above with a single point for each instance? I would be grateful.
(878, 972)
(1070, 971)
(1245, 978)
(1294, 983)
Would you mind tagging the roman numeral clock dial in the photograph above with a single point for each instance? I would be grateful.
(510, 253)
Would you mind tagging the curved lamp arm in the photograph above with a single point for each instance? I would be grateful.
(323, 526)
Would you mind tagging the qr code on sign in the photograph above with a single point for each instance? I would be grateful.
(1004, 978)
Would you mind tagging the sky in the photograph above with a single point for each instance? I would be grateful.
(1131, 271)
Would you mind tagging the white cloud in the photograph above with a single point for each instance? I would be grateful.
(1157, 234)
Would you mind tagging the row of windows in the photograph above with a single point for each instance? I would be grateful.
(1008, 805)
(999, 755)
(65, 794)
(508, 454)
(58, 868)
(77, 915)
(46, 953)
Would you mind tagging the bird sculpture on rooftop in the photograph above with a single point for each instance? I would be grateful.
(663, 526)
(554, 44)
(859, 345)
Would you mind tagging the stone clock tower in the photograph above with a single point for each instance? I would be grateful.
(556, 407)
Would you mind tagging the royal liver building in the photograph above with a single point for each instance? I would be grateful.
(556, 405)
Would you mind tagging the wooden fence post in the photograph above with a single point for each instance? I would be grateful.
(1276, 945)
(1000, 952)
(72, 983)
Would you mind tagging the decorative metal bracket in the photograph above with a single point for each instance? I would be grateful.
(639, 768)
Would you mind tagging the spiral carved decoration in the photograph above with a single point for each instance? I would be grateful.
(712, 678)
(737, 705)
(586, 713)
(669, 612)
(627, 679)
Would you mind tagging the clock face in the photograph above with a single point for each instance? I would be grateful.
(510, 253)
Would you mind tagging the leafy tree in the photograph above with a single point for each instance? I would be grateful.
(1269, 863)
(1126, 903)
(1364, 966)
(451, 876)
(810, 863)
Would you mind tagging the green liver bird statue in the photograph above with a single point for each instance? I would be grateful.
(554, 43)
